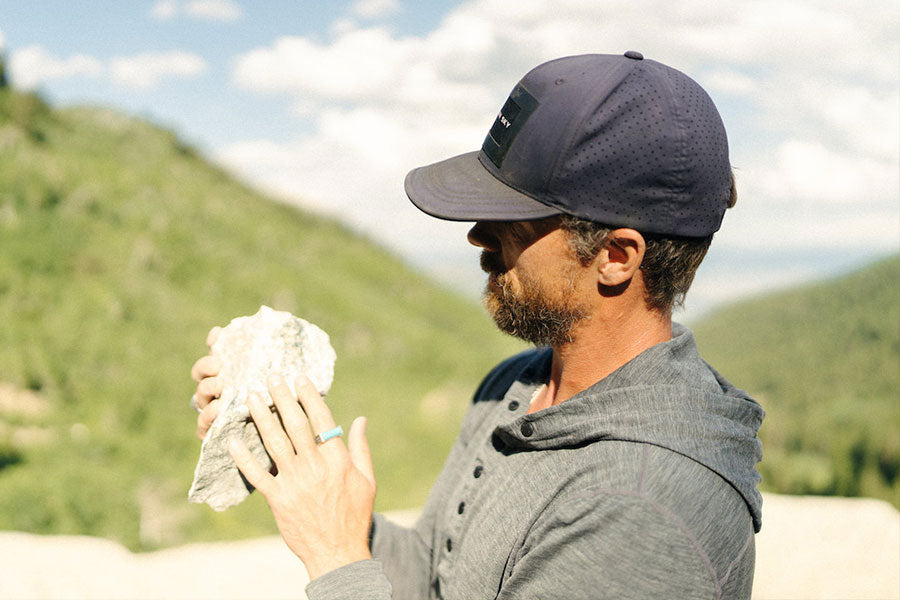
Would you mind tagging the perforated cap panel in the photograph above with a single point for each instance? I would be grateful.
(618, 140)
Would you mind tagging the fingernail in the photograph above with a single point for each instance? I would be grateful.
(275, 379)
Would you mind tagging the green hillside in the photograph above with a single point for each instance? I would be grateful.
(824, 361)
(119, 249)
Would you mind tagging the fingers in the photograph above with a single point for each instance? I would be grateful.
(205, 419)
(358, 445)
(207, 390)
(320, 418)
(209, 387)
(273, 436)
(295, 422)
(208, 366)
(255, 474)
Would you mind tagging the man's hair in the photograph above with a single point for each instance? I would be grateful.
(669, 265)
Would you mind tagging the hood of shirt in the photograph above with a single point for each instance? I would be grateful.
(667, 396)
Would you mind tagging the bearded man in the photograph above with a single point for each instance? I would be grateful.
(609, 462)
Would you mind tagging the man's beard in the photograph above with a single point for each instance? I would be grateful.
(533, 313)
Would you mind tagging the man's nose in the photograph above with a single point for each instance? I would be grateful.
(483, 236)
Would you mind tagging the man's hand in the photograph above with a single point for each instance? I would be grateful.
(323, 494)
(209, 387)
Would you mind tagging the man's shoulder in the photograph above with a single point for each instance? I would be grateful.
(529, 366)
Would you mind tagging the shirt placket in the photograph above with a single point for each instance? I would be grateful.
(475, 489)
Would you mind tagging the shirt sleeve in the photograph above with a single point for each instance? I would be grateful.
(405, 554)
(398, 570)
(361, 580)
(622, 547)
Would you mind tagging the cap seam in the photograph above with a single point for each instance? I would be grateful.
(681, 157)
(574, 132)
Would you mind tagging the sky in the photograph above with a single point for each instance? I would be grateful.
(329, 104)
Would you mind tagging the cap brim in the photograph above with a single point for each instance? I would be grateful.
(462, 189)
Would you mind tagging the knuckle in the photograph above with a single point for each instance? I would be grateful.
(195, 371)
(207, 366)
(339, 460)
(205, 420)
(210, 411)
(280, 446)
(208, 386)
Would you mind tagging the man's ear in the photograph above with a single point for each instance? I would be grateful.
(621, 258)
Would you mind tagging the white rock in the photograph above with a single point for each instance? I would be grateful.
(250, 349)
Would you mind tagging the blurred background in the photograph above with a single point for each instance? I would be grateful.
(166, 166)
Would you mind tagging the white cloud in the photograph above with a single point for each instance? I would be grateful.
(164, 10)
(145, 71)
(32, 65)
(360, 64)
(369, 67)
(344, 181)
(373, 9)
(810, 87)
(868, 119)
(729, 81)
(210, 10)
(810, 171)
(216, 10)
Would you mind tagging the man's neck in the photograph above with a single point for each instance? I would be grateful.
(600, 346)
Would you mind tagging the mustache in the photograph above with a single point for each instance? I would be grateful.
(492, 263)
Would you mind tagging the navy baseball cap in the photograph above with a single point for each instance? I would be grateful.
(615, 139)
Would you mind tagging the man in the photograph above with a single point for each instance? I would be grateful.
(610, 462)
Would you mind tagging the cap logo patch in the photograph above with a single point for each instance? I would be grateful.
(508, 123)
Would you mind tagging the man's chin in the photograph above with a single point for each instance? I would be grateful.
(490, 297)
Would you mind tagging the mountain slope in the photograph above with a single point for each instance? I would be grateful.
(824, 361)
(119, 249)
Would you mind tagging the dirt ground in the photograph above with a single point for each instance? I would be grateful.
(809, 548)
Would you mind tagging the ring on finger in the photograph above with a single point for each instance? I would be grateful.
(324, 436)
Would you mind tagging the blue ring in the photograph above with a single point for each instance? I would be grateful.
(323, 437)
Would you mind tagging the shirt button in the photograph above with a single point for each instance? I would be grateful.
(461, 508)
(478, 471)
(513, 405)
(527, 429)
(449, 545)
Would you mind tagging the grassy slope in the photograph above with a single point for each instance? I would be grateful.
(824, 361)
(119, 249)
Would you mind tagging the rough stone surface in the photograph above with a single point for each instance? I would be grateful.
(250, 349)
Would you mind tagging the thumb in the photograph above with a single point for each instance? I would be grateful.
(358, 447)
